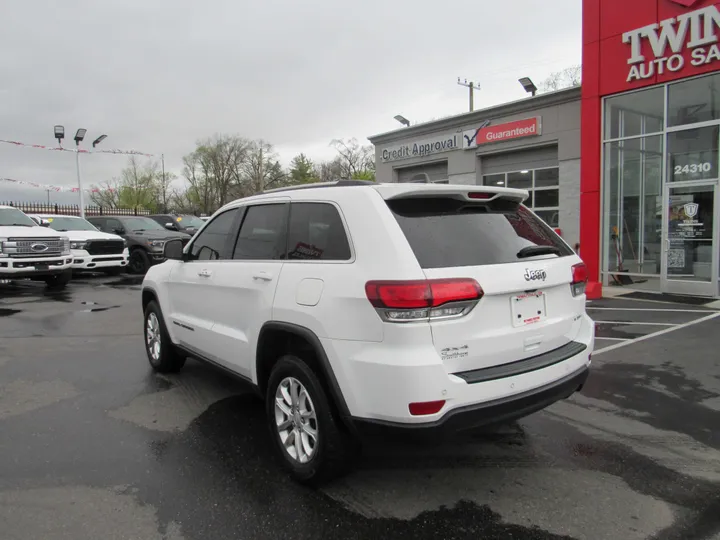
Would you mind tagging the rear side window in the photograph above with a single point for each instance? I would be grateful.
(445, 232)
(263, 233)
(316, 232)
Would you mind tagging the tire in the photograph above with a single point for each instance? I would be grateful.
(59, 281)
(162, 354)
(139, 261)
(333, 451)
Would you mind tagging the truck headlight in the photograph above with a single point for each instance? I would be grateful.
(66, 245)
(77, 245)
(157, 244)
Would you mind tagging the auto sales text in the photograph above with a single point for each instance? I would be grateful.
(700, 25)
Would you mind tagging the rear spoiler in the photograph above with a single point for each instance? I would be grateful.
(463, 193)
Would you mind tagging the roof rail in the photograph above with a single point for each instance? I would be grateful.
(336, 183)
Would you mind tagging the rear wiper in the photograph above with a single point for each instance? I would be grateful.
(532, 251)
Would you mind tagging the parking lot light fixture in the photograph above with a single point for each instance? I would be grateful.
(528, 85)
(100, 139)
(59, 134)
(404, 121)
(79, 136)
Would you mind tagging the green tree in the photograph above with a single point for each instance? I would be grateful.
(302, 171)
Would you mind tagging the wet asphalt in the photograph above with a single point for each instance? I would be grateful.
(94, 445)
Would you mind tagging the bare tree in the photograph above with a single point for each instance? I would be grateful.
(567, 78)
(164, 190)
(200, 192)
(261, 170)
(108, 194)
(354, 160)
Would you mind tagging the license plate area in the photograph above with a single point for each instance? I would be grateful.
(528, 308)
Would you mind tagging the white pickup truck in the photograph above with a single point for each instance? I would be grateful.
(28, 251)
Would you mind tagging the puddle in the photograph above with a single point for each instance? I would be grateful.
(7, 312)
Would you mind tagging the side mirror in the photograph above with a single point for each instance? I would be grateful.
(119, 230)
(170, 226)
(173, 250)
(44, 223)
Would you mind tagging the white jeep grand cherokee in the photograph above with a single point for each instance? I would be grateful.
(92, 250)
(30, 251)
(357, 308)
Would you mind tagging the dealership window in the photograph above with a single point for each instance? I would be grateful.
(694, 101)
(633, 114)
(542, 186)
(428, 173)
(668, 133)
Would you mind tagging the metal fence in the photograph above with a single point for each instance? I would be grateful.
(74, 209)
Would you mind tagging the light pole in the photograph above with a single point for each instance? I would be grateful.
(79, 136)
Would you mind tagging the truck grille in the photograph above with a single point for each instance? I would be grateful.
(33, 247)
(104, 247)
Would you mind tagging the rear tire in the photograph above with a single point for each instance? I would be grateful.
(298, 408)
(139, 261)
(59, 281)
(163, 356)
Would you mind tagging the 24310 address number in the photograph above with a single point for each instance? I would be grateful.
(693, 168)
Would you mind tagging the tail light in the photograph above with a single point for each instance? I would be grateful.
(480, 195)
(410, 301)
(579, 279)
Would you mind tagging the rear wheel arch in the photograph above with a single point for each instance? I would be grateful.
(279, 338)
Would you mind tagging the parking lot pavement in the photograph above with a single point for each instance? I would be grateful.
(93, 445)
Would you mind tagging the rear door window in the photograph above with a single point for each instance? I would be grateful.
(445, 232)
(263, 233)
(317, 232)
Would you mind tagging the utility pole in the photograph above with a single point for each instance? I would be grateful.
(48, 192)
(471, 87)
(164, 185)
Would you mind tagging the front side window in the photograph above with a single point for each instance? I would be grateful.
(210, 244)
(317, 233)
(263, 233)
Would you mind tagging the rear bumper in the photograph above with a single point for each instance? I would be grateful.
(481, 414)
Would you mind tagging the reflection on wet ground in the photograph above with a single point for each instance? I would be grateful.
(94, 444)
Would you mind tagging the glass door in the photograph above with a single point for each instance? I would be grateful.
(690, 239)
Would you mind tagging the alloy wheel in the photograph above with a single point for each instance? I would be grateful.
(152, 337)
(296, 420)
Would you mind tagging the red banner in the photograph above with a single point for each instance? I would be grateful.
(529, 127)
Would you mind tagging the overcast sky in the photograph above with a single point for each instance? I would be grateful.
(157, 75)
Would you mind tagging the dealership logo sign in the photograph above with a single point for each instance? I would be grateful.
(528, 127)
(691, 209)
(422, 148)
(694, 31)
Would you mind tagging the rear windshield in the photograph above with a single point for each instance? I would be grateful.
(445, 232)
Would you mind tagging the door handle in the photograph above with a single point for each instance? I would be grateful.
(263, 276)
(204, 273)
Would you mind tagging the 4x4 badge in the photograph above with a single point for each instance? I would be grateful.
(535, 275)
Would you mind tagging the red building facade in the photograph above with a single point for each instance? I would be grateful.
(649, 204)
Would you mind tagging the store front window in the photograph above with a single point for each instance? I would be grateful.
(542, 186)
(660, 175)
